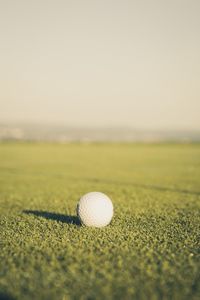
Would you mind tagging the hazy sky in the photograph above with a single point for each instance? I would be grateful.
(101, 62)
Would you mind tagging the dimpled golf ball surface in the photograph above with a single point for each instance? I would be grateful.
(95, 209)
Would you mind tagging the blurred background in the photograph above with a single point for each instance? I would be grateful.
(100, 70)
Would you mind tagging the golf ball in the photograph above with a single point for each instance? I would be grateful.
(95, 209)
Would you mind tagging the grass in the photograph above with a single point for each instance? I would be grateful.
(151, 250)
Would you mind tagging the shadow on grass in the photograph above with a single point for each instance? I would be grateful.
(6, 296)
(54, 216)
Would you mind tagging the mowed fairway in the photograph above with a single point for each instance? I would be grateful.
(151, 250)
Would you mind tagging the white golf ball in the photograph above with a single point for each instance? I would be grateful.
(95, 209)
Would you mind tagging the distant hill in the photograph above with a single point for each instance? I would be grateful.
(62, 134)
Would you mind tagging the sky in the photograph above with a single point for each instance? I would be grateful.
(101, 63)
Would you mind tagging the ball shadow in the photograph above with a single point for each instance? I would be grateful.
(6, 296)
(74, 220)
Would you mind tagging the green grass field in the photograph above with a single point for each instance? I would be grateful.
(151, 250)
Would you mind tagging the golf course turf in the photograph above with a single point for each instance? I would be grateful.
(151, 249)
